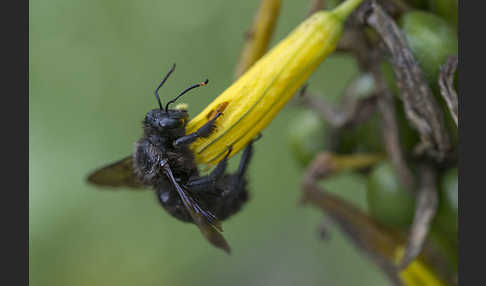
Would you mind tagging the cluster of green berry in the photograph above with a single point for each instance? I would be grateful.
(431, 33)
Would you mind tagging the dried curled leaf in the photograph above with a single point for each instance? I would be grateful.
(446, 84)
(420, 105)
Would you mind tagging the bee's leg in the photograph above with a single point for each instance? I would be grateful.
(245, 158)
(234, 188)
(204, 131)
(208, 183)
(237, 181)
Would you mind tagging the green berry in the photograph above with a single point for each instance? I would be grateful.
(307, 136)
(447, 9)
(431, 40)
(388, 201)
(447, 214)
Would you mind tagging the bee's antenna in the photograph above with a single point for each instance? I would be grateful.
(186, 90)
(156, 92)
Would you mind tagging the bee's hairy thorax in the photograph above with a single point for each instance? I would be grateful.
(150, 150)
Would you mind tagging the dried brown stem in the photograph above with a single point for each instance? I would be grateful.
(360, 229)
(378, 242)
(359, 103)
(259, 36)
(391, 137)
(325, 110)
(353, 112)
(354, 41)
(371, 238)
(420, 105)
(369, 59)
(446, 84)
(323, 229)
(425, 211)
(395, 6)
(316, 5)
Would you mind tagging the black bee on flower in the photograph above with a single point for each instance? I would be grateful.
(162, 159)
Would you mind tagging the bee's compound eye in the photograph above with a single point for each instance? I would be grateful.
(169, 123)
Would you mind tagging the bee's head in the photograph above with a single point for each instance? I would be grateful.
(165, 119)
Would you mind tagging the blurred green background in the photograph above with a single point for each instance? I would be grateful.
(93, 68)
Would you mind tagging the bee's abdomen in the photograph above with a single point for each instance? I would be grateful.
(171, 202)
(234, 196)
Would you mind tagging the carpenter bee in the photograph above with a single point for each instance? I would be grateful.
(162, 159)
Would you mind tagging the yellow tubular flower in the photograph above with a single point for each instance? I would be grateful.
(252, 101)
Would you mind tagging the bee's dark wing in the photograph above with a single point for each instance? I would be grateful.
(118, 174)
(208, 224)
